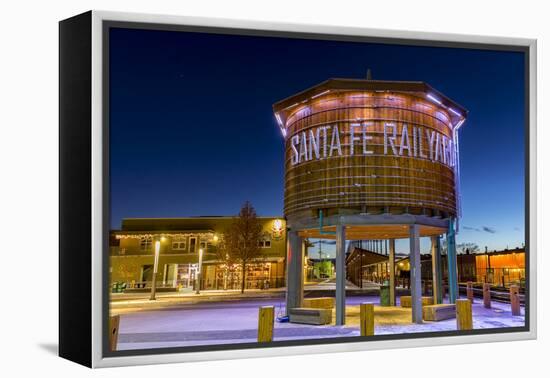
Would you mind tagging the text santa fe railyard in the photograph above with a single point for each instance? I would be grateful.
(399, 140)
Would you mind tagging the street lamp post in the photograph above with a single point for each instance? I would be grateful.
(155, 269)
(198, 274)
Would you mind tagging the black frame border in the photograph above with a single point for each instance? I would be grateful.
(75, 189)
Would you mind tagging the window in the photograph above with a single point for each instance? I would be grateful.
(264, 243)
(145, 243)
(192, 245)
(205, 246)
(179, 243)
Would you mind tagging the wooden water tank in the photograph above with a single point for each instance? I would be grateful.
(370, 147)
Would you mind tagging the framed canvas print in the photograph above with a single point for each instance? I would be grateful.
(232, 189)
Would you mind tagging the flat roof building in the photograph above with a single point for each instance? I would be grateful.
(132, 254)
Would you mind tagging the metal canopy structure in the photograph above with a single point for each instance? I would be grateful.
(368, 257)
(353, 228)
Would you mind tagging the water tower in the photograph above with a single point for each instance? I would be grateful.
(370, 160)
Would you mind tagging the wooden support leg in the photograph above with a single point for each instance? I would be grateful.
(340, 275)
(436, 270)
(392, 271)
(294, 277)
(415, 272)
(451, 263)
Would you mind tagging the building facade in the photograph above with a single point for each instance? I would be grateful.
(501, 268)
(498, 268)
(182, 240)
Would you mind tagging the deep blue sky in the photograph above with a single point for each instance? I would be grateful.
(192, 130)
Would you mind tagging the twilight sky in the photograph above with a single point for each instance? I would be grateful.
(193, 133)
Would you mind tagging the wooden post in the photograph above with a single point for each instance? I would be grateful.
(114, 322)
(463, 314)
(266, 317)
(487, 295)
(366, 311)
(514, 300)
(470, 291)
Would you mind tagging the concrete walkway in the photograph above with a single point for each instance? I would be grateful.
(230, 322)
(124, 302)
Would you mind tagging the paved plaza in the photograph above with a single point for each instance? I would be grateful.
(228, 321)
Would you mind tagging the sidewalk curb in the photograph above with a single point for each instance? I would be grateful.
(188, 300)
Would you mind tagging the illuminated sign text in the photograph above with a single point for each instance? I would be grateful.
(398, 140)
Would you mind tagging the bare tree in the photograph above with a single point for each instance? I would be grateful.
(467, 247)
(226, 256)
(242, 239)
(308, 244)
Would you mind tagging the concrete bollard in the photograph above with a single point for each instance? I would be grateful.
(470, 291)
(487, 295)
(464, 319)
(114, 322)
(366, 313)
(514, 300)
(266, 317)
